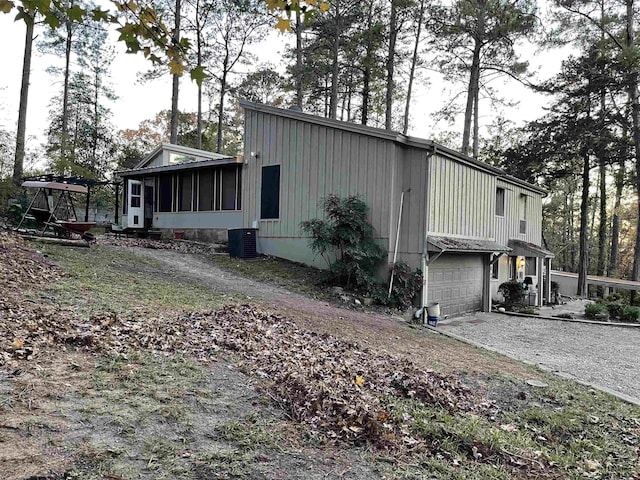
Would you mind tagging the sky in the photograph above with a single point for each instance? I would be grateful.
(138, 101)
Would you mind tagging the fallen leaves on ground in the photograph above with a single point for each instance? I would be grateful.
(320, 379)
(178, 246)
(337, 389)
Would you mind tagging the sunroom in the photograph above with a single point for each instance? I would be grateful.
(180, 189)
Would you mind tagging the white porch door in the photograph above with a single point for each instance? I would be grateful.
(135, 215)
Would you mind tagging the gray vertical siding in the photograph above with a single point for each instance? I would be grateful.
(318, 159)
(462, 200)
(509, 226)
(315, 161)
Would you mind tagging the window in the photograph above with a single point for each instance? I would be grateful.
(495, 269)
(530, 266)
(135, 195)
(164, 193)
(125, 203)
(500, 202)
(205, 190)
(229, 188)
(176, 158)
(185, 187)
(523, 213)
(270, 194)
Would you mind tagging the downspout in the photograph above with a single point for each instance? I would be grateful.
(421, 313)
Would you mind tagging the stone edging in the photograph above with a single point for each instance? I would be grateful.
(621, 396)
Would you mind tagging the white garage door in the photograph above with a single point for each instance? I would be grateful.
(455, 282)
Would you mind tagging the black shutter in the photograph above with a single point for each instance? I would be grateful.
(270, 195)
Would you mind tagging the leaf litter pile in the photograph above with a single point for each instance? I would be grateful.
(182, 246)
(339, 391)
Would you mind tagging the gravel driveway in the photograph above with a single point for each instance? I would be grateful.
(604, 356)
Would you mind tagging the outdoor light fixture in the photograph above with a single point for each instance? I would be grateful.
(520, 262)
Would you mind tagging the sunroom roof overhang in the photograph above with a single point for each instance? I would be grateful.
(465, 245)
(180, 167)
(520, 248)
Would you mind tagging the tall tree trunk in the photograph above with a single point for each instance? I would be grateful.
(335, 66)
(199, 61)
(18, 166)
(583, 263)
(223, 92)
(65, 93)
(602, 215)
(565, 234)
(412, 71)
(176, 79)
(366, 71)
(96, 119)
(572, 228)
(476, 127)
(635, 116)
(602, 227)
(474, 76)
(299, 60)
(391, 57)
(615, 220)
(474, 85)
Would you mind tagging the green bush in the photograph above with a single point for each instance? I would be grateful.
(614, 308)
(593, 309)
(615, 297)
(513, 293)
(629, 314)
(345, 240)
(406, 285)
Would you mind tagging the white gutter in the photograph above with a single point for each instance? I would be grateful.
(421, 313)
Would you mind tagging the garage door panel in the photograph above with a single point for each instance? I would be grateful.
(456, 282)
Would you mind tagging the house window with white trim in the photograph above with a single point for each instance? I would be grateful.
(522, 206)
(500, 202)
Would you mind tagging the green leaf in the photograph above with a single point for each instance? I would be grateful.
(6, 6)
(100, 15)
(76, 13)
(52, 20)
(198, 74)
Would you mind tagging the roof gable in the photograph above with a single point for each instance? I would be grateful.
(177, 155)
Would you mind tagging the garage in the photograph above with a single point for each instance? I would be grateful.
(456, 283)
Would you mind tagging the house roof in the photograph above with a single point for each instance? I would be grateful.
(521, 248)
(396, 137)
(194, 158)
(180, 149)
(180, 166)
(464, 245)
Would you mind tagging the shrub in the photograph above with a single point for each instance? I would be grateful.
(629, 313)
(615, 297)
(345, 240)
(406, 285)
(513, 292)
(593, 309)
(614, 308)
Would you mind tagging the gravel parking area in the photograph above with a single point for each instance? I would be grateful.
(605, 356)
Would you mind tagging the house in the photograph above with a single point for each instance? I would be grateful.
(466, 224)
(176, 188)
(478, 225)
